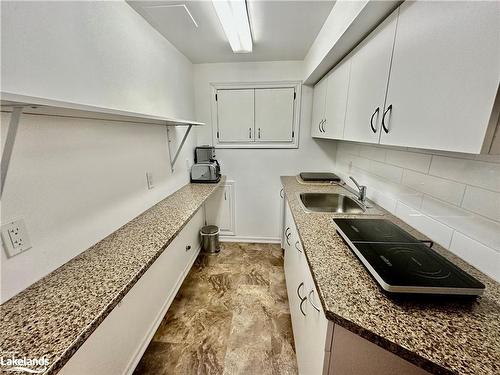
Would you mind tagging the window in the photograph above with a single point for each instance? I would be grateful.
(263, 115)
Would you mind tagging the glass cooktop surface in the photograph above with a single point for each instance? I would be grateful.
(400, 262)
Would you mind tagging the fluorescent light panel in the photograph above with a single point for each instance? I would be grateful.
(234, 19)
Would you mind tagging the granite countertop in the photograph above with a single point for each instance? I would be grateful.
(54, 316)
(440, 336)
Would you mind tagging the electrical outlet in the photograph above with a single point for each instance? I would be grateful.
(15, 237)
(149, 179)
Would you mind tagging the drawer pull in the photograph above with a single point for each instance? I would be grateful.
(297, 246)
(300, 306)
(298, 291)
(311, 301)
(386, 129)
(287, 235)
(371, 120)
(188, 247)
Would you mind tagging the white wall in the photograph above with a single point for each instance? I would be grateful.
(452, 198)
(257, 171)
(75, 181)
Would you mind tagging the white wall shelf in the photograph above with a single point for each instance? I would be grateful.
(50, 107)
(22, 104)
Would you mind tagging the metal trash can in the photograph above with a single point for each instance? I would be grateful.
(210, 239)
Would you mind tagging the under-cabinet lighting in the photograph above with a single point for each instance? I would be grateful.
(234, 19)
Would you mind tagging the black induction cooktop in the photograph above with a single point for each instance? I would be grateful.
(320, 177)
(400, 263)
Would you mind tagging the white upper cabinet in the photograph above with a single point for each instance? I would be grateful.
(274, 114)
(444, 76)
(318, 110)
(256, 115)
(336, 101)
(235, 115)
(370, 66)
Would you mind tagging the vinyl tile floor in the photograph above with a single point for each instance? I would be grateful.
(229, 317)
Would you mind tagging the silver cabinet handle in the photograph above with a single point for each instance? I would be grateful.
(323, 126)
(249, 132)
(297, 247)
(259, 133)
(282, 193)
(225, 195)
(311, 301)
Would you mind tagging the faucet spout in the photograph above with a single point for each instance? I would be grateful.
(361, 188)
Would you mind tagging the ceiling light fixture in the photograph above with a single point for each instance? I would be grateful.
(234, 19)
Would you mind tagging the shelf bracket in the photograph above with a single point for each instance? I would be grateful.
(172, 161)
(10, 139)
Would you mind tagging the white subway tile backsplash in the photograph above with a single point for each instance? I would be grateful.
(383, 200)
(435, 230)
(471, 172)
(387, 171)
(446, 190)
(409, 160)
(372, 153)
(480, 256)
(476, 227)
(360, 162)
(348, 148)
(453, 198)
(482, 202)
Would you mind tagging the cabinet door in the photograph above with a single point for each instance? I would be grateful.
(370, 65)
(220, 209)
(235, 115)
(317, 340)
(336, 101)
(318, 110)
(444, 76)
(274, 114)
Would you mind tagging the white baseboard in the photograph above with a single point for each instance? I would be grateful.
(250, 239)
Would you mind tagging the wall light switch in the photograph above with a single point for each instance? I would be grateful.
(15, 237)
(149, 179)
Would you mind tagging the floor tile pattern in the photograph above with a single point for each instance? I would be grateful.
(229, 317)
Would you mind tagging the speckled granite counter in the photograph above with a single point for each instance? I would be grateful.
(443, 337)
(54, 316)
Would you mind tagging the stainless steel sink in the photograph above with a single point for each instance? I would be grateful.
(330, 202)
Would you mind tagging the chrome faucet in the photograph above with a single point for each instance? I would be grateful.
(361, 188)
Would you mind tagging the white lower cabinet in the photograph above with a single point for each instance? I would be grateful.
(118, 343)
(311, 331)
(322, 347)
(219, 209)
